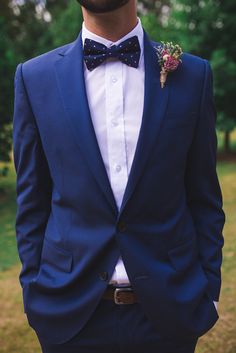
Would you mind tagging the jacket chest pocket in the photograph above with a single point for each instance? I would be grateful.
(176, 122)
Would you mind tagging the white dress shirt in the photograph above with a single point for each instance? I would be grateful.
(115, 94)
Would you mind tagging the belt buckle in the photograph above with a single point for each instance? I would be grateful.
(117, 300)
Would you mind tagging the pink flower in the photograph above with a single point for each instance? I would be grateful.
(165, 52)
(168, 58)
(170, 63)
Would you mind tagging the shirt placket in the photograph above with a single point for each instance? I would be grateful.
(116, 130)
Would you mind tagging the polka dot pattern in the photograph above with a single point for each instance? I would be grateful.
(128, 52)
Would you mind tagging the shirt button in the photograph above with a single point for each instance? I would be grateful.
(118, 168)
(121, 226)
(103, 276)
(114, 122)
(113, 79)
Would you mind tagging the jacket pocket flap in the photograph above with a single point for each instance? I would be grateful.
(56, 256)
(183, 255)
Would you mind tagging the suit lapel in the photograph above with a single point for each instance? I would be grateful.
(155, 104)
(70, 75)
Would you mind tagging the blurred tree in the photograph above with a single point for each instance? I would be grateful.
(15, 45)
(203, 27)
(66, 25)
(51, 22)
(7, 65)
(224, 67)
(155, 16)
(29, 28)
(207, 28)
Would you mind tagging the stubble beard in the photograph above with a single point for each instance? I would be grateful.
(102, 6)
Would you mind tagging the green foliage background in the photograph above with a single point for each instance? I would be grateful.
(202, 27)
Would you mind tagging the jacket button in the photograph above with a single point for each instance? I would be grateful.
(103, 276)
(121, 226)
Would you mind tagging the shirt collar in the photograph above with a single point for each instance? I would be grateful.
(136, 31)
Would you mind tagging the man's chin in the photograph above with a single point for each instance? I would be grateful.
(102, 6)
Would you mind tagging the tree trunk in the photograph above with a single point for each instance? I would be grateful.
(227, 141)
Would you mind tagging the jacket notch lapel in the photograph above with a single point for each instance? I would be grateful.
(70, 76)
(155, 105)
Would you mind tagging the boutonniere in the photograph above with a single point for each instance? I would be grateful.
(169, 59)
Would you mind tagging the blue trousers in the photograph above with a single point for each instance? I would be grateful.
(119, 329)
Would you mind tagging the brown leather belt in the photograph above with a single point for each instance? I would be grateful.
(120, 295)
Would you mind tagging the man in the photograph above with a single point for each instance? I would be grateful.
(119, 220)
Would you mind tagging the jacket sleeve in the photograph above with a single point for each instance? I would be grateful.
(203, 191)
(33, 183)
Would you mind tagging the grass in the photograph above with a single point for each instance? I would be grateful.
(17, 337)
(8, 250)
(222, 338)
(15, 334)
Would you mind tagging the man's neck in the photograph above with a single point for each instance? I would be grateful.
(112, 25)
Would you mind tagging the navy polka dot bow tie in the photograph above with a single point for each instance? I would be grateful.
(128, 52)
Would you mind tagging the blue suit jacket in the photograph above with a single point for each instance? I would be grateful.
(69, 230)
